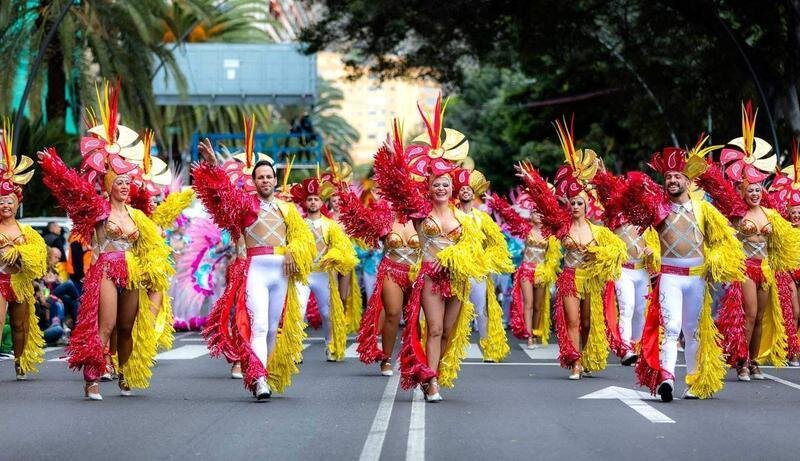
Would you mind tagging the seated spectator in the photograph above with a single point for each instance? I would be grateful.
(63, 289)
(49, 312)
(54, 237)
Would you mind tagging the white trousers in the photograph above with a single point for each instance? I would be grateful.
(632, 286)
(682, 298)
(505, 283)
(477, 296)
(369, 283)
(266, 295)
(318, 284)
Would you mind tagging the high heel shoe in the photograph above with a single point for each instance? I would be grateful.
(91, 389)
(531, 343)
(386, 368)
(124, 389)
(236, 371)
(433, 384)
(576, 372)
(21, 376)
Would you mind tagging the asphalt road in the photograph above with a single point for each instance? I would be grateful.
(524, 408)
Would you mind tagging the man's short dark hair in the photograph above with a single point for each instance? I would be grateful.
(263, 163)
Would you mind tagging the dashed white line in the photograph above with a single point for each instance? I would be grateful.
(377, 433)
(415, 448)
(782, 381)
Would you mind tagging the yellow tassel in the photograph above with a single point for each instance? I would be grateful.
(289, 343)
(152, 266)
(33, 265)
(457, 348)
(137, 370)
(709, 377)
(353, 305)
(609, 255)
(163, 323)
(338, 342)
(653, 262)
(340, 255)
(784, 252)
(495, 344)
(595, 353)
(497, 256)
(167, 212)
(724, 256)
(465, 259)
(774, 340)
(300, 240)
(546, 275)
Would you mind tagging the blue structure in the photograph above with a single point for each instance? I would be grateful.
(307, 148)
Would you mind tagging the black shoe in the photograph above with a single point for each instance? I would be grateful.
(629, 359)
(665, 391)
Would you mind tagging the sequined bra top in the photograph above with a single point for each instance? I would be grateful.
(400, 250)
(535, 250)
(435, 239)
(575, 252)
(114, 238)
(5, 242)
(754, 239)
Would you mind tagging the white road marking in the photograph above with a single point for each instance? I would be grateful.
(351, 352)
(377, 433)
(782, 381)
(58, 359)
(548, 352)
(415, 448)
(634, 400)
(184, 353)
(474, 352)
(195, 340)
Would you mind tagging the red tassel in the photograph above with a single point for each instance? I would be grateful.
(731, 325)
(368, 350)
(75, 195)
(526, 271)
(724, 196)
(611, 192)
(647, 203)
(648, 369)
(408, 197)
(140, 199)
(313, 315)
(785, 298)
(617, 345)
(517, 226)
(84, 349)
(369, 224)
(414, 368)
(565, 286)
(217, 331)
(555, 219)
(229, 207)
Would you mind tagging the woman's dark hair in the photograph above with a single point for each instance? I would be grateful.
(263, 163)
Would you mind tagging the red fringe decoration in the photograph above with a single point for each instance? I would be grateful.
(648, 369)
(75, 195)
(85, 349)
(731, 325)
(313, 315)
(565, 286)
(368, 331)
(724, 196)
(611, 192)
(754, 272)
(517, 226)
(414, 367)
(139, 198)
(526, 271)
(785, 298)
(230, 208)
(617, 345)
(555, 219)
(408, 197)
(647, 203)
(368, 224)
(217, 331)
(5, 288)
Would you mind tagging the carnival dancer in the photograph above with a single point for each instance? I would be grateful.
(770, 246)
(335, 256)
(23, 259)
(697, 247)
(593, 258)
(451, 254)
(633, 284)
(785, 195)
(529, 318)
(379, 225)
(467, 184)
(127, 248)
(280, 251)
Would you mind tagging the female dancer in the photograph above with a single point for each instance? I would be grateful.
(23, 258)
(451, 254)
(770, 246)
(541, 258)
(125, 241)
(375, 225)
(593, 257)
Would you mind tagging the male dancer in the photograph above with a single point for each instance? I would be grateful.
(494, 343)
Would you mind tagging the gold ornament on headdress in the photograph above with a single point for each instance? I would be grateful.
(696, 163)
(249, 157)
(153, 169)
(13, 168)
(478, 183)
(583, 162)
(454, 147)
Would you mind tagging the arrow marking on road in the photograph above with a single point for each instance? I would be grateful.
(633, 399)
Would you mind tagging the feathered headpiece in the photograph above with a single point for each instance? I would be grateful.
(13, 174)
(472, 178)
(240, 167)
(152, 172)
(110, 149)
(748, 159)
(573, 178)
(786, 185)
(429, 155)
(338, 172)
(311, 186)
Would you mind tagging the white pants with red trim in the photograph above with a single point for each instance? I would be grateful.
(477, 296)
(632, 286)
(318, 284)
(681, 298)
(266, 296)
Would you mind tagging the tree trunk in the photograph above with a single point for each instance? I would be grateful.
(56, 99)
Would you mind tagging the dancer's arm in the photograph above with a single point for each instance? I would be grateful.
(230, 207)
(517, 226)
(555, 219)
(368, 224)
(647, 204)
(496, 250)
(722, 193)
(168, 211)
(408, 197)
